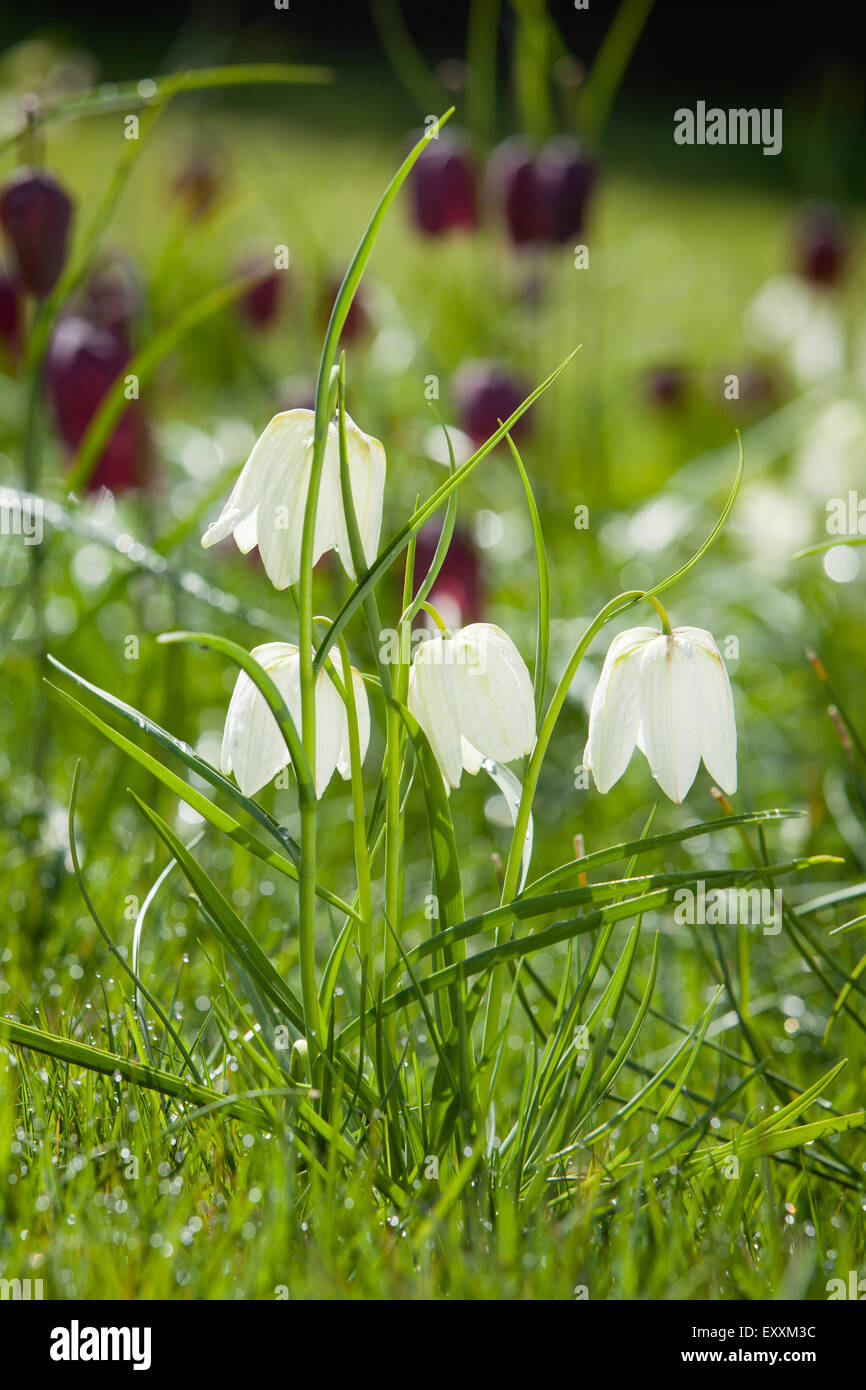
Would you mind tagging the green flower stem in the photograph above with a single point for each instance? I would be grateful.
(393, 904)
(524, 811)
(394, 883)
(362, 862)
(666, 627)
(436, 616)
(611, 610)
(128, 97)
(356, 547)
(325, 389)
(399, 542)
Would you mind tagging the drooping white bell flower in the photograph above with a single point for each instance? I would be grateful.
(267, 503)
(253, 747)
(472, 695)
(670, 695)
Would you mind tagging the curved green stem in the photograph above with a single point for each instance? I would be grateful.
(666, 626)
(436, 616)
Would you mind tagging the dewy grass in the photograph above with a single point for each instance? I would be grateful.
(386, 1064)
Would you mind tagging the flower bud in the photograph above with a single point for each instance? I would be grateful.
(84, 361)
(443, 187)
(35, 214)
(298, 1064)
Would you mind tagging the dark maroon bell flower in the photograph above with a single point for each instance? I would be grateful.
(542, 194)
(665, 387)
(565, 177)
(84, 361)
(443, 187)
(486, 393)
(513, 183)
(458, 590)
(10, 316)
(35, 214)
(821, 245)
(259, 306)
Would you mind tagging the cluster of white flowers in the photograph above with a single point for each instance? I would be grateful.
(470, 691)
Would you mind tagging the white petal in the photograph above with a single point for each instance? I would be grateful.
(493, 691)
(332, 734)
(472, 759)
(246, 532)
(431, 701)
(253, 747)
(362, 709)
(270, 654)
(244, 497)
(267, 504)
(367, 476)
(719, 744)
(671, 712)
(614, 717)
(280, 514)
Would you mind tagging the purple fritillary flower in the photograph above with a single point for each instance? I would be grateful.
(35, 214)
(442, 185)
(486, 393)
(84, 361)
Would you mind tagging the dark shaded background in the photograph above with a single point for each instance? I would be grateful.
(738, 45)
(811, 60)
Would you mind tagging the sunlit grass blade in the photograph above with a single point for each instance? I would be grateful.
(260, 678)
(542, 643)
(216, 817)
(127, 96)
(80, 1054)
(234, 932)
(200, 766)
(598, 858)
